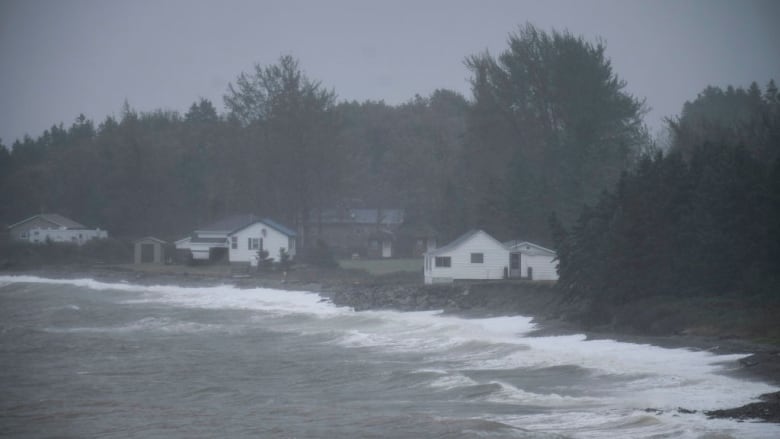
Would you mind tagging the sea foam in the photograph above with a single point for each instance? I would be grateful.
(645, 376)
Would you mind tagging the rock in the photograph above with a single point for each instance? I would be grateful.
(767, 410)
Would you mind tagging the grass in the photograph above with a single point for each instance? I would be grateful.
(384, 266)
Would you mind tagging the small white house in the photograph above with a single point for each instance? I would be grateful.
(238, 238)
(531, 261)
(265, 234)
(478, 256)
(475, 255)
(52, 227)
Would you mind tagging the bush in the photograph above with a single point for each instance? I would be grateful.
(284, 260)
(109, 250)
(320, 256)
(264, 262)
(17, 254)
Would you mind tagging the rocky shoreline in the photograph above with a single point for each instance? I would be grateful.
(552, 314)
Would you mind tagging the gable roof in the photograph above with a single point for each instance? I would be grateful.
(270, 223)
(230, 223)
(528, 247)
(149, 238)
(54, 218)
(279, 227)
(460, 240)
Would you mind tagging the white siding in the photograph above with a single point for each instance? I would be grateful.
(495, 260)
(202, 250)
(272, 241)
(74, 236)
(544, 268)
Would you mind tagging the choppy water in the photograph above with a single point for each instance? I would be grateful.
(83, 359)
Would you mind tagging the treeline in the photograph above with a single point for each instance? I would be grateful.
(549, 126)
(701, 220)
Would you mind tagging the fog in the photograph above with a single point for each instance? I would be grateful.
(61, 59)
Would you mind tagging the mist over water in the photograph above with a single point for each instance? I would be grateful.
(80, 358)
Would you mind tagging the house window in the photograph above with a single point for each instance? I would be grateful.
(234, 242)
(443, 261)
(23, 235)
(477, 258)
(255, 243)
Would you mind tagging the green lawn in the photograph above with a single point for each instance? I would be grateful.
(383, 266)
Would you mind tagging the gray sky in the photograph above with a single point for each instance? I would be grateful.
(59, 58)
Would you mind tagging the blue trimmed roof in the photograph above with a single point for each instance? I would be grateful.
(230, 223)
(234, 223)
(279, 227)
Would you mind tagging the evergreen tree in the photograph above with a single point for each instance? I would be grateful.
(294, 119)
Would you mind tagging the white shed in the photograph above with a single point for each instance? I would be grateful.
(531, 261)
(475, 255)
(264, 234)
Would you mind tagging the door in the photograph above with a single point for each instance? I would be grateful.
(147, 253)
(387, 249)
(514, 265)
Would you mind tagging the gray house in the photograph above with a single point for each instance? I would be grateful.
(368, 232)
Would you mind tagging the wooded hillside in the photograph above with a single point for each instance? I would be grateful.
(548, 127)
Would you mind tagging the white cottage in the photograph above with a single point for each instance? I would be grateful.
(478, 256)
(265, 234)
(52, 227)
(475, 255)
(238, 238)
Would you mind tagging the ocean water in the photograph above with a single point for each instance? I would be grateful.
(84, 359)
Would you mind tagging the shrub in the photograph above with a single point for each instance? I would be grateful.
(320, 256)
(284, 260)
(24, 254)
(109, 250)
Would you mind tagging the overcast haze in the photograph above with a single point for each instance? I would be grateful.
(62, 58)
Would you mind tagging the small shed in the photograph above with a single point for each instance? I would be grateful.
(531, 261)
(149, 250)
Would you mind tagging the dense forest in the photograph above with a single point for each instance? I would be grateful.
(550, 147)
(548, 127)
(702, 219)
